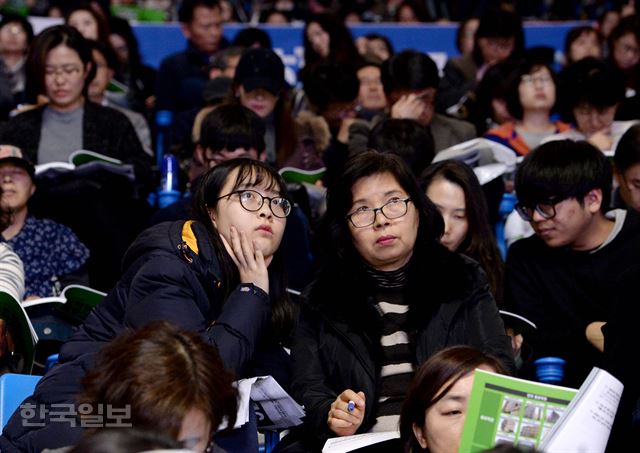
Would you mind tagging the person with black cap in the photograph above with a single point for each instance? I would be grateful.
(51, 252)
(259, 84)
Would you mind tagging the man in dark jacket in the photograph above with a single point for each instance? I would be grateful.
(183, 75)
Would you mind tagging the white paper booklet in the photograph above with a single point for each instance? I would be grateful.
(488, 159)
(274, 407)
(349, 443)
(586, 425)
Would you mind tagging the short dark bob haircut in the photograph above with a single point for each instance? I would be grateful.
(513, 88)
(340, 200)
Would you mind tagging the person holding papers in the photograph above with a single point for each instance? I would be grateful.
(589, 94)
(105, 209)
(60, 67)
(434, 411)
(220, 276)
(387, 298)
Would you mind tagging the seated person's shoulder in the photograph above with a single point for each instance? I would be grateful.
(528, 249)
(173, 59)
(50, 227)
(461, 127)
(104, 110)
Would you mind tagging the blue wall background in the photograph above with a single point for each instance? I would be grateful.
(158, 41)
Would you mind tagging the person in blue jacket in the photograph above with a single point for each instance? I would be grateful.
(220, 276)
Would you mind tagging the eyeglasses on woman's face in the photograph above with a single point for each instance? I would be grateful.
(252, 201)
(392, 209)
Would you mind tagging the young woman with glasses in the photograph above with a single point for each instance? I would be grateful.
(219, 275)
(531, 98)
(60, 68)
(387, 298)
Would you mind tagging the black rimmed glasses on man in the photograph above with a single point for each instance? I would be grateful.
(546, 209)
(392, 209)
(252, 201)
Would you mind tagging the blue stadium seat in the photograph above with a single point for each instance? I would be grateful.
(14, 388)
(507, 205)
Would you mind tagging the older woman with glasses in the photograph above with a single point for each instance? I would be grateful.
(388, 297)
(220, 276)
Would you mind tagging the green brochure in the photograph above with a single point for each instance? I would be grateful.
(507, 410)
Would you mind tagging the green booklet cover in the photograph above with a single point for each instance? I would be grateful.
(293, 174)
(73, 305)
(507, 410)
(16, 323)
(85, 162)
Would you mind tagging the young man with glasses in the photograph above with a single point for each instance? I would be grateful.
(565, 277)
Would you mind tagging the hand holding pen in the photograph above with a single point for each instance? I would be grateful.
(347, 413)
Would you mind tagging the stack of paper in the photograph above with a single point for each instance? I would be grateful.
(274, 407)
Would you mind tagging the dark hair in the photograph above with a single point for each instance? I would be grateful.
(574, 34)
(253, 173)
(46, 41)
(341, 46)
(220, 59)
(565, 169)
(122, 28)
(628, 149)
(10, 18)
(480, 243)
(248, 37)
(406, 138)
(185, 11)
(232, 126)
(493, 86)
(499, 23)
(418, 8)
(433, 380)
(513, 88)
(383, 38)
(331, 82)
(98, 16)
(340, 201)
(409, 70)
(161, 372)
(589, 81)
(106, 51)
(122, 440)
(368, 62)
(628, 24)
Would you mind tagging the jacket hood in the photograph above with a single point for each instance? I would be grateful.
(188, 240)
